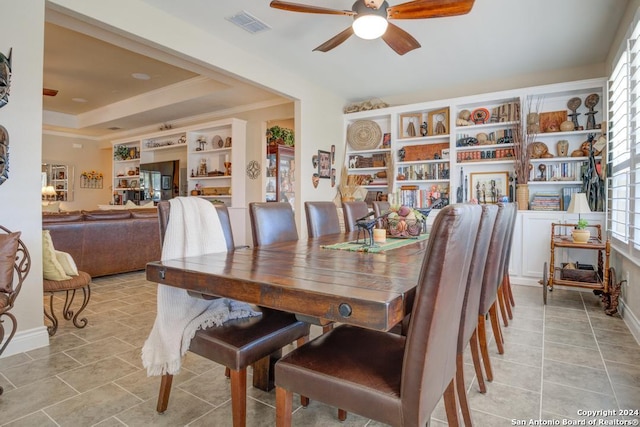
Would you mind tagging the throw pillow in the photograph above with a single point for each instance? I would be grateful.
(67, 263)
(51, 268)
(51, 207)
(8, 249)
(130, 205)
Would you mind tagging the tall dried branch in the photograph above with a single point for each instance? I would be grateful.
(523, 137)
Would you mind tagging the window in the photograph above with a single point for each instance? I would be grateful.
(624, 148)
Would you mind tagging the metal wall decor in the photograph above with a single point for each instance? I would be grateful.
(253, 169)
(4, 154)
(5, 78)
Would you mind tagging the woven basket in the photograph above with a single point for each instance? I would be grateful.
(401, 227)
(364, 135)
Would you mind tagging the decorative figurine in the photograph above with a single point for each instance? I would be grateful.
(573, 104)
(590, 102)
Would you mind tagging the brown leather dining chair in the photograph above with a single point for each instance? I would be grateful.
(493, 271)
(351, 212)
(384, 376)
(15, 263)
(322, 218)
(469, 320)
(380, 207)
(272, 222)
(506, 298)
(237, 343)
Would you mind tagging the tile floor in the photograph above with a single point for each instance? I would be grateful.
(559, 359)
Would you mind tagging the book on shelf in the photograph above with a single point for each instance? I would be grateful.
(545, 201)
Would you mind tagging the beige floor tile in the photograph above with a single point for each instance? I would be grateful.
(623, 374)
(33, 397)
(96, 374)
(510, 402)
(590, 358)
(563, 336)
(39, 419)
(567, 401)
(576, 376)
(92, 407)
(39, 369)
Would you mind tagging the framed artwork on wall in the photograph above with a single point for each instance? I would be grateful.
(324, 164)
(488, 187)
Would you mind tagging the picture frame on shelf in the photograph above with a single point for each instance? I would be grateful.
(438, 122)
(444, 154)
(551, 121)
(488, 187)
(386, 140)
(166, 182)
(324, 164)
(410, 125)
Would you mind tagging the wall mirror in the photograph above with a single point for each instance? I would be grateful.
(57, 182)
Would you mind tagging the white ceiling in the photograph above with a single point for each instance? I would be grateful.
(497, 41)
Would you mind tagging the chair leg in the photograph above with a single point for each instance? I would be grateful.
(239, 397)
(86, 293)
(450, 405)
(484, 348)
(342, 414)
(52, 317)
(475, 355)
(495, 324)
(227, 372)
(284, 406)
(165, 391)
(327, 328)
(304, 401)
(462, 391)
(507, 281)
(503, 310)
(505, 292)
(14, 326)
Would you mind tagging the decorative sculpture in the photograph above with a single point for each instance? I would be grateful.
(5, 78)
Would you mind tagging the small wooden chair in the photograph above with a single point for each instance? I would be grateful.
(10, 284)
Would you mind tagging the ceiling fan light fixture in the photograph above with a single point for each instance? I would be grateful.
(370, 27)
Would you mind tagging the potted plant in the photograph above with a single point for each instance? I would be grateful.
(580, 234)
(121, 152)
(280, 135)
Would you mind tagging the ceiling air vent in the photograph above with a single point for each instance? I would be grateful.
(248, 22)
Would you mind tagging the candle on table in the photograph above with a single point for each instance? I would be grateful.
(379, 235)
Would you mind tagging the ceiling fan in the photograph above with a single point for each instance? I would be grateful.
(49, 92)
(371, 19)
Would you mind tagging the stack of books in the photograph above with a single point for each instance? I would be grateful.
(545, 202)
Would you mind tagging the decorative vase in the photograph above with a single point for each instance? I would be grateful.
(563, 148)
(580, 236)
(522, 196)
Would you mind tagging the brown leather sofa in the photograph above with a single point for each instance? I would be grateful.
(107, 242)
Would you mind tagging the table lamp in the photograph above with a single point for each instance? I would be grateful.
(49, 192)
(580, 205)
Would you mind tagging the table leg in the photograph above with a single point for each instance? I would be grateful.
(263, 371)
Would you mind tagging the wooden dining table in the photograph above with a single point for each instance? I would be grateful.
(370, 290)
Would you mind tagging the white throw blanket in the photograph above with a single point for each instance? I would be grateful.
(193, 229)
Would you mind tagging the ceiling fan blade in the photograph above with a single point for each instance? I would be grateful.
(399, 40)
(296, 7)
(429, 9)
(49, 92)
(335, 41)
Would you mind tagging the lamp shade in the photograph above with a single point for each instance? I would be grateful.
(579, 204)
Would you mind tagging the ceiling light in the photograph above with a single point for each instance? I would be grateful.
(369, 23)
(78, 100)
(141, 76)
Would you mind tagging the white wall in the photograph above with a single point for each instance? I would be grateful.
(23, 30)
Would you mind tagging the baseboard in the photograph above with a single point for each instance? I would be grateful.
(630, 319)
(27, 340)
